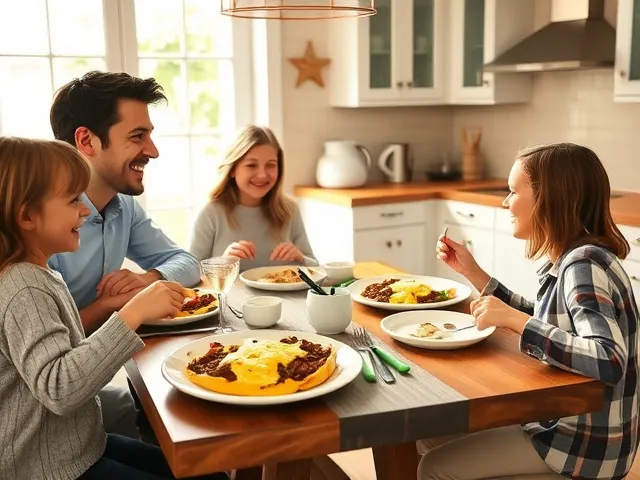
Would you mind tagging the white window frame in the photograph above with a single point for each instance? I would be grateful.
(121, 21)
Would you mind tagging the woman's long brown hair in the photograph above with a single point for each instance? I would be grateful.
(28, 173)
(571, 201)
(276, 207)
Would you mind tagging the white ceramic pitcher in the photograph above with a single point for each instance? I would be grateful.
(344, 164)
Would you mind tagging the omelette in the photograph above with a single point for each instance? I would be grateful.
(263, 367)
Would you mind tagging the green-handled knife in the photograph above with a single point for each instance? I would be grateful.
(391, 360)
(367, 368)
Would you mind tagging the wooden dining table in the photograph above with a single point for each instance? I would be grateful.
(446, 392)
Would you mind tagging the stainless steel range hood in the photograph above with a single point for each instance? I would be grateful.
(581, 44)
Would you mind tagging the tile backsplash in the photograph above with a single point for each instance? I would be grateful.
(573, 107)
(566, 107)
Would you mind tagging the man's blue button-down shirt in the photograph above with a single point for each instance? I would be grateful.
(124, 231)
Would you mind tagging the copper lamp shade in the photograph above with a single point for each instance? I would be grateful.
(298, 9)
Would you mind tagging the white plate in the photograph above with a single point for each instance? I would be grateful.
(462, 292)
(348, 366)
(167, 322)
(400, 326)
(251, 277)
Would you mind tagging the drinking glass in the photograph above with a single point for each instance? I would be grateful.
(222, 273)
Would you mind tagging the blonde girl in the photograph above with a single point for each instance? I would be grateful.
(248, 215)
(50, 373)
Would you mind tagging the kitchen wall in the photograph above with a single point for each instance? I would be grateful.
(309, 120)
(566, 107)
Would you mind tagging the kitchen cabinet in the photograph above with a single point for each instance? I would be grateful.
(393, 58)
(397, 233)
(479, 241)
(632, 263)
(511, 266)
(480, 30)
(402, 247)
(627, 66)
(471, 225)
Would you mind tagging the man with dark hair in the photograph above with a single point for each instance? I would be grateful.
(106, 117)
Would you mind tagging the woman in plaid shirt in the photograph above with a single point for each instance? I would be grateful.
(584, 320)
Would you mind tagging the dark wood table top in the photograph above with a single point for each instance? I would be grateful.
(446, 392)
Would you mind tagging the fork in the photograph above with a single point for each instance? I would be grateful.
(367, 361)
(386, 357)
(364, 345)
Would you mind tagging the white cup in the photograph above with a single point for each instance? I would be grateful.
(329, 314)
(338, 272)
(261, 311)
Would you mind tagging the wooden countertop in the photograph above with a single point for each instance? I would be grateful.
(625, 208)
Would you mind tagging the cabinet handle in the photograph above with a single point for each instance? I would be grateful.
(400, 84)
(399, 243)
(462, 214)
(389, 244)
(635, 279)
(409, 84)
(622, 73)
(391, 214)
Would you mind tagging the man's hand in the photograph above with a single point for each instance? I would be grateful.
(125, 281)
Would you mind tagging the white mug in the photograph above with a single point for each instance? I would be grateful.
(329, 314)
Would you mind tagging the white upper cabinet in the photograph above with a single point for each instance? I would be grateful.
(480, 31)
(393, 58)
(428, 52)
(627, 68)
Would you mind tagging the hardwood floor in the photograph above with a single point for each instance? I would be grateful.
(358, 465)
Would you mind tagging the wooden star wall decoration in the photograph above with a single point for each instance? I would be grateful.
(310, 67)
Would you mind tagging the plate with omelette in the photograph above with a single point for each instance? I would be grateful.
(261, 367)
(283, 278)
(408, 292)
(198, 304)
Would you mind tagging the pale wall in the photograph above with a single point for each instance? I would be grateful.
(566, 106)
(309, 120)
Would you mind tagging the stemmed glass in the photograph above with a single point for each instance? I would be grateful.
(222, 273)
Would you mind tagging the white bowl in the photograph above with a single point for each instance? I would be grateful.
(261, 311)
(339, 271)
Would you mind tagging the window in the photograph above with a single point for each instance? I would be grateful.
(201, 58)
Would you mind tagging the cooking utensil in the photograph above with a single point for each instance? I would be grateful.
(314, 286)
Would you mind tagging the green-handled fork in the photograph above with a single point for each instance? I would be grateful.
(386, 357)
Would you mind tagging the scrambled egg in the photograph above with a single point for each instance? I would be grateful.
(408, 291)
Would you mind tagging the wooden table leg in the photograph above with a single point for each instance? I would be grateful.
(396, 461)
(254, 473)
(296, 470)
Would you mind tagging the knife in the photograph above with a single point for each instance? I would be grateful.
(391, 360)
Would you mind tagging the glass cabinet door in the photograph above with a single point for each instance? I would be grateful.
(423, 43)
(473, 54)
(634, 60)
(380, 46)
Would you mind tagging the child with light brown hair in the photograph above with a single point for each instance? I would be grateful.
(50, 373)
(249, 216)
